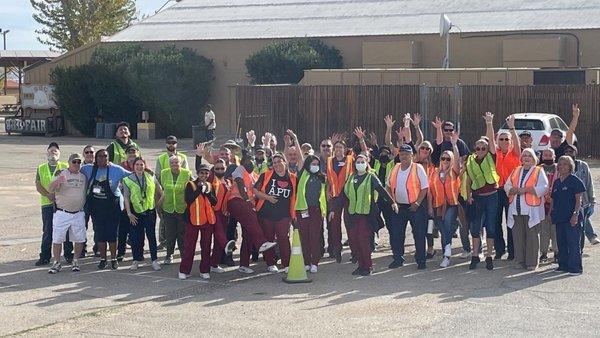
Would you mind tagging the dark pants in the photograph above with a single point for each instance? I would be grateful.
(485, 208)
(499, 244)
(310, 229)
(174, 225)
(220, 238)
(569, 248)
(46, 247)
(418, 223)
(334, 229)
(189, 247)
(124, 228)
(252, 235)
(87, 222)
(359, 235)
(281, 230)
(146, 224)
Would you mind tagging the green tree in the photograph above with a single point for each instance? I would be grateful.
(285, 62)
(68, 24)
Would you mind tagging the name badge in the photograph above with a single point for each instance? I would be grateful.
(304, 214)
(96, 190)
(341, 164)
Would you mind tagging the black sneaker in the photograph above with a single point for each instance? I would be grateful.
(543, 258)
(364, 272)
(229, 261)
(430, 255)
(510, 257)
(42, 261)
(395, 264)
(421, 266)
(499, 255)
(489, 263)
(338, 257)
(120, 258)
(356, 272)
(474, 262)
(69, 260)
(102, 264)
(114, 264)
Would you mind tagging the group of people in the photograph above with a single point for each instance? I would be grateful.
(440, 187)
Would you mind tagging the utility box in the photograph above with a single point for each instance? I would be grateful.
(146, 131)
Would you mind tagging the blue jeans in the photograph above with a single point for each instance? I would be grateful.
(588, 228)
(569, 248)
(397, 229)
(447, 224)
(499, 244)
(485, 215)
(46, 247)
(146, 224)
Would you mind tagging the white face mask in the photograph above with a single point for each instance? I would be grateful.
(361, 167)
(314, 169)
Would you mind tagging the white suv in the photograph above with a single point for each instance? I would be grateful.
(540, 125)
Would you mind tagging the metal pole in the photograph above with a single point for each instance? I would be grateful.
(4, 39)
(447, 63)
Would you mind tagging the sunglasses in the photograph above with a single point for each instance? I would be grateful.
(480, 149)
(325, 145)
(219, 169)
(445, 158)
(88, 152)
(448, 130)
(503, 139)
(171, 143)
(425, 148)
(76, 161)
(103, 155)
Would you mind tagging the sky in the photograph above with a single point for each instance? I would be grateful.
(17, 17)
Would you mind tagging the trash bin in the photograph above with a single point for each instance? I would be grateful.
(198, 134)
(99, 130)
(109, 130)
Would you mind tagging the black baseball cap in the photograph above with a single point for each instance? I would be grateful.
(122, 124)
(556, 132)
(53, 144)
(525, 133)
(203, 166)
(405, 148)
(171, 138)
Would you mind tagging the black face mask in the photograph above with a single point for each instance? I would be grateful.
(249, 167)
(548, 162)
(220, 174)
(384, 158)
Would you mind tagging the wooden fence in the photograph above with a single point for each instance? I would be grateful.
(315, 112)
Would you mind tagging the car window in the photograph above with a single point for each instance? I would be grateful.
(561, 124)
(526, 124)
(554, 123)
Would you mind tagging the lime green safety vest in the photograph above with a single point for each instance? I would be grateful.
(46, 176)
(163, 159)
(388, 168)
(261, 168)
(119, 153)
(483, 173)
(174, 200)
(141, 201)
(301, 203)
(359, 199)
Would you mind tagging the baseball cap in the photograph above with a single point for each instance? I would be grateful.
(75, 157)
(171, 138)
(525, 133)
(203, 166)
(259, 148)
(556, 132)
(571, 147)
(131, 146)
(405, 148)
(53, 144)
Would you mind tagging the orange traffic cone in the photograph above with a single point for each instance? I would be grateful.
(296, 271)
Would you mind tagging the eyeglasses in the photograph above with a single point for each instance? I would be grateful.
(88, 152)
(325, 145)
(445, 158)
(76, 161)
(425, 148)
(103, 155)
(219, 169)
(448, 130)
(503, 139)
(480, 149)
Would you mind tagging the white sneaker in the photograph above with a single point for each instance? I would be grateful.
(245, 269)
(156, 265)
(595, 241)
(229, 247)
(205, 275)
(134, 265)
(445, 262)
(465, 254)
(313, 269)
(56, 267)
(307, 267)
(272, 268)
(217, 269)
(286, 270)
(266, 246)
(183, 275)
(167, 260)
(448, 250)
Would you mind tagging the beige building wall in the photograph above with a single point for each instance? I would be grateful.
(485, 52)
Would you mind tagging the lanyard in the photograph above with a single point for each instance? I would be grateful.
(142, 188)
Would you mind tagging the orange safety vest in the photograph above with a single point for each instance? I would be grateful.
(221, 192)
(444, 193)
(201, 212)
(336, 181)
(249, 180)
(266, 179)
(505, 164)
(530, 199)
(413, 184)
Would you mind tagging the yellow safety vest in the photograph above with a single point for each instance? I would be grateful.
(141, 200)
(301, 203)
(360, 198)
(163, 159)
(174, 200)
(46, 176)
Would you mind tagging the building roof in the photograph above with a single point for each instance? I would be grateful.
(268, 19)
(19, 58)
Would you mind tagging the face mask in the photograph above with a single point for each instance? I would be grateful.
(384, 158)
(548, 162)
(314, 169)
(219, 174)
(361, 167)
(249, 167)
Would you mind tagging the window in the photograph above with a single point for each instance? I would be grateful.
(561, 124)
(526, 124)
(553, 123)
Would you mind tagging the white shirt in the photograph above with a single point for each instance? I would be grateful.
(209, 120)
(70, 195)
(536, 214)
(401, 192)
